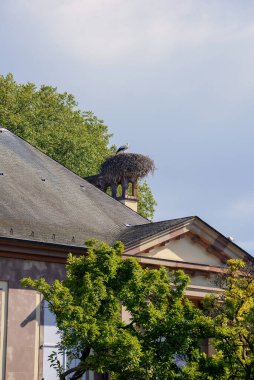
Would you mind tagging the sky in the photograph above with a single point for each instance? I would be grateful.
(172, 78)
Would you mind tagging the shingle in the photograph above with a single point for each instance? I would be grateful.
(137, 233)
(42, 200)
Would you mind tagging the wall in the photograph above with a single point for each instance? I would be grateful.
(20, 318)
(3, 325)
(184, 250)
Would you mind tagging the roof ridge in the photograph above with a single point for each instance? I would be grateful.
(165, 221)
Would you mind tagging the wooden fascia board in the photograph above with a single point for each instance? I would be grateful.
(27, 250)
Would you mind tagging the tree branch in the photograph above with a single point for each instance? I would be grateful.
(80, 369)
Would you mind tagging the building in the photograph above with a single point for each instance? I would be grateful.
(47, 211)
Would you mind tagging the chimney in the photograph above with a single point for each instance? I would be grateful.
(128, 193)
(119, 177)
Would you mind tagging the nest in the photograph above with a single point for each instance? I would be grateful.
(126, 165)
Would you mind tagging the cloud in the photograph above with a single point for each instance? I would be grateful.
(137, 31)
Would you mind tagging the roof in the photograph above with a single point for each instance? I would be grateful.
(138, 233)
(43, 201)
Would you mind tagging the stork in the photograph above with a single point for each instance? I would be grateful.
(122, 148)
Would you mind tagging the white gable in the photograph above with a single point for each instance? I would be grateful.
(194, 247)
(184, 250)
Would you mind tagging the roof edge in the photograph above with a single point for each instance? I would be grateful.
(38, 251)
(186, 222)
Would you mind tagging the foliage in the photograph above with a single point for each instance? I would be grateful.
(147, 203)
(51, 122)
(163, 325)
(230, 317)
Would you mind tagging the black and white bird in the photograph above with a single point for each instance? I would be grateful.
(122, 148)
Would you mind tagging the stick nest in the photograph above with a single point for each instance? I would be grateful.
(126, 165)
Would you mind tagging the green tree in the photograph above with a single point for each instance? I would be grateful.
(52, 122)
(230, 322)
(147, 203)
(162, 328)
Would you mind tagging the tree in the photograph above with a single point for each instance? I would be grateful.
(147, 203)
(87, 305)
(230, 325)
(51, 122)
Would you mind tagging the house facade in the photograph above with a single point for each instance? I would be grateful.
(46, 211)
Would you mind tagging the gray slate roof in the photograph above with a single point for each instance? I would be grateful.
(43, 201)
(134, 234)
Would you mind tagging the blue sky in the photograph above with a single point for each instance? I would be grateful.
(175, 79)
